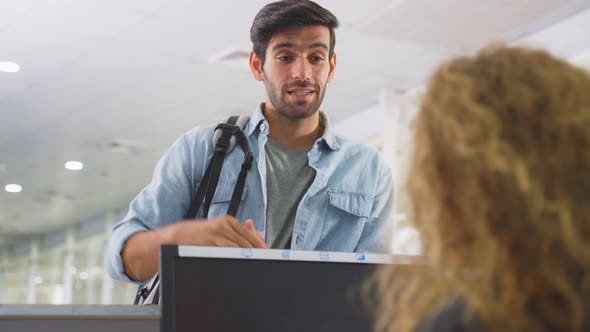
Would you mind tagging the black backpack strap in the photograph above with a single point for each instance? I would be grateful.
(226, 135)
(143, 291)
(200, 195)
(239, 189)
(228, 129)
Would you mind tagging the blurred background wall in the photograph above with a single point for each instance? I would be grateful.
(110, 84)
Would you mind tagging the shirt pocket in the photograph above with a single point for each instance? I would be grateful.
(345, 219)
(222, 198)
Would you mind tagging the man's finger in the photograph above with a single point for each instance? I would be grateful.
(249, 235)
(237, 238)
(250, 225)
(229, 233)
(223, 242)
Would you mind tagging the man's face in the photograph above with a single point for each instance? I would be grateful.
(296, 70)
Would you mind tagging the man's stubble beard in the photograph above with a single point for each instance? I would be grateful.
(278, 99)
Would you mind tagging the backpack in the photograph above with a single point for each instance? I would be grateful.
(226, 136)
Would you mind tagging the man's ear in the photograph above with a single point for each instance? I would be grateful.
(332, 68)
(256, 66)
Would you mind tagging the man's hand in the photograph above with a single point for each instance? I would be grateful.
(142, 250)
(225, 231)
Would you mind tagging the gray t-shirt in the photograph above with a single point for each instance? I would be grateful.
(288, 176)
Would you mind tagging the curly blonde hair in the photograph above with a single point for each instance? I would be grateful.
(500, 195)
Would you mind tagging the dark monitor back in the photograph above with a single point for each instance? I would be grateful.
(223, 294)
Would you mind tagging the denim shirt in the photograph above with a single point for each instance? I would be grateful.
(347, 207)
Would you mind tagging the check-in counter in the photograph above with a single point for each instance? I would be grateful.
(85, 318)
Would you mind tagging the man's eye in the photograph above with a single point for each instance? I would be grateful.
(316, 59)
(285, 58)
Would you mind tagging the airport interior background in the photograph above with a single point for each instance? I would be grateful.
(92, 93)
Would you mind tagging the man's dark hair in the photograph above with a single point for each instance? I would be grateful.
(284, 14)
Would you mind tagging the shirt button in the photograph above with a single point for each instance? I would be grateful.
(263, 127)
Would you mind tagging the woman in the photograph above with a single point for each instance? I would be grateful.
(501, 199)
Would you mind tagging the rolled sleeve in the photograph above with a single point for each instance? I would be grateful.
(113, 261)
(163, 201)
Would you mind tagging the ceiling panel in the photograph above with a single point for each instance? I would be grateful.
(393, 58)
(138, 72)
(464, 24)
(51, 36)
(552, 38)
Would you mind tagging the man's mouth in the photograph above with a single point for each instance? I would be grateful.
(300, 92)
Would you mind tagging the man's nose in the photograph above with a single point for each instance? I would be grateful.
(301, 70)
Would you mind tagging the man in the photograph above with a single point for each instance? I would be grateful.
(307, 190)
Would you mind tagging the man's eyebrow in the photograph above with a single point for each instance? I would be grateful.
(319, 45)
(282, 45)
(290, 45)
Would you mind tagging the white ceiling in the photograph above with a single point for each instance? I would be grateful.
(138, 73)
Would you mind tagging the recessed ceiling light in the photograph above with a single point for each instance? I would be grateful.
(74, 165)
(9, 67)
(83, 275)
(38, 280)
(13, 188)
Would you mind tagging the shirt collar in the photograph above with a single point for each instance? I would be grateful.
(328, 137)
(255, 120)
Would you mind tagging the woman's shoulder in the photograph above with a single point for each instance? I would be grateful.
(453, 317)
